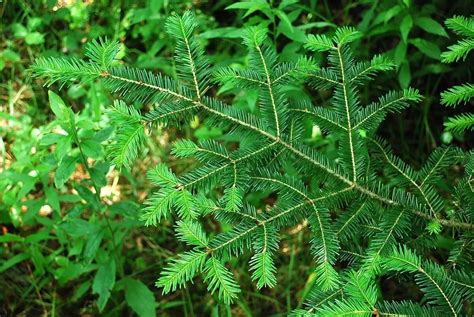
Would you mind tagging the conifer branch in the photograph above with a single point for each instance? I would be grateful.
(348, 114)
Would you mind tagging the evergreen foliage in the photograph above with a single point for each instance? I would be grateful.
(460, 94)
(367, 208)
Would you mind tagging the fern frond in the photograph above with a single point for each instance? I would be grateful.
(346, 34)
(439, 160)
(460, 123)
(364, 71)
(362, 287)
(191, 61)
(394, 227)
(457, 95)
(220, 279)
(162, 175)
(171, 113)
(130, 135)
(262, 263)
(323, 78)
(462, 93)
(406, 309)
(325, 247)
(319, 43)
(408, 177)
(241, 78)
(158, 206)
(348, 222)
(180, 270)
(371, 116)
(432, 279)
(318, 298)
(185, 205)
(65, 71)
(233, 198)
(142, 86)
(102, 52)
(192, 233)
(461, 25)
(184, 148)
(458, 51)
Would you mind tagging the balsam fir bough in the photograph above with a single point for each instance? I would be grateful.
(367, 209)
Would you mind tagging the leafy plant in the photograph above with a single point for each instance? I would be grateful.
(73, 214)
(370, 214)
(414, 26)
(460, 94)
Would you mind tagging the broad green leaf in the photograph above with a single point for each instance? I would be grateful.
(93, 243)
(51, 138)
(285, 3)
(64, 170)
(34, 38)
(14, 260)
(91, 148)
(225, 32)
(430, 49)
(52, 198)
(252, 6)
(284, 18)
(431, 26)
(104, 282)
(9, 55)
(140, 298)
(390, 13)
(78, 227)
(404, 75)
(9, 237)
(400, 53)
(405, 27)
(57, 105)
(19, 30)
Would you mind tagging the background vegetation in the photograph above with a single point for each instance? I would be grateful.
(66, 210)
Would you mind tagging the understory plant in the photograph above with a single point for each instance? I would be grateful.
(371, 215)
(83, 230)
